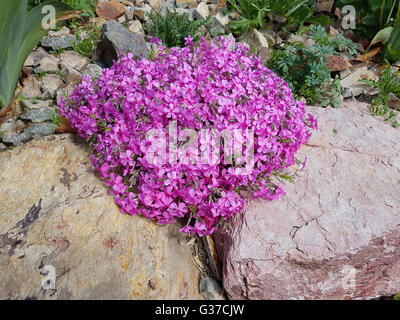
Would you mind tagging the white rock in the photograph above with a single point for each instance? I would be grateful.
(352, 87)
(202, 11)
(136, 27)
(256, 40)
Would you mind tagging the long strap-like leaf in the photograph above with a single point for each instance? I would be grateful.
(22, 32)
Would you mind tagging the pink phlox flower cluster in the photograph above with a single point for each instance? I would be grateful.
(212, 85)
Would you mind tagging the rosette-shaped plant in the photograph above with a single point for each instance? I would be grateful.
(181, 134)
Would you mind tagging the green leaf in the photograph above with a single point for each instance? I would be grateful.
(382, 36)
(392, 50)
(21, 32)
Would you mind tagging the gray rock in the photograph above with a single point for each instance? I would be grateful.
(2, 147)
(201, 12)
(50, 84)
(62, 32)
(93, 70)
(39, 130)
(217, 30)
(74, 60)
(65, 92)
(31, 87)
(31, 132)
(70, 75)
(352, 87)
(185, 3)
(36, 104)
(336, 232)
(221, 19)
(56, 43)
(296, 38)
(114, 39)
(12, 126)
(16, 139)
(42, 61)
(210, 289)
(39, 115)
(256, 40)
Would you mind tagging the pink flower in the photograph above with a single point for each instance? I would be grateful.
(208, 85)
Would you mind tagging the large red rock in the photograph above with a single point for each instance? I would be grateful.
(336, 234)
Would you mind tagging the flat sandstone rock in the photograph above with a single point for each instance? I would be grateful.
(55, 212)
(336, 234)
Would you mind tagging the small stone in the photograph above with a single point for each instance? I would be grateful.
(70, 75)
(210, 289)
(332, 31)
(360, 47)
(115, 38)
(349, 34)
(214, 9)
(31, 87)
(39, 115)
(222, 19)
(394, 102)
(129, 13)
(11, 126)
(337, 63)
(154, 4)
(48, 63)
(122, 19)
(217, 30)
(16, 139)
(201, 12)
(295, 38)
(280, 19)
(141, 13)
(40, 130)
(136, 27)
(57, 43)
(352, 87)
(36, 104)
(185, 3)
(324, 5)
(2, 147)
(256, 40)
(110, 10)
(65, 92)
(93, 70)
(264, 54)
(50, 84)
(74, 60)
(309, 43)
(62, 32)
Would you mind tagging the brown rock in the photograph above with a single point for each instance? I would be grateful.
(185, 3)
(56, 213)
(31, 87)
(73, 60)
(336, 234)
(337, 63)
(139, 14)
(394, 102)
(110, 10)
(324, 5)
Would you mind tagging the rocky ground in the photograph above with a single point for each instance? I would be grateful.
(334, 217)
